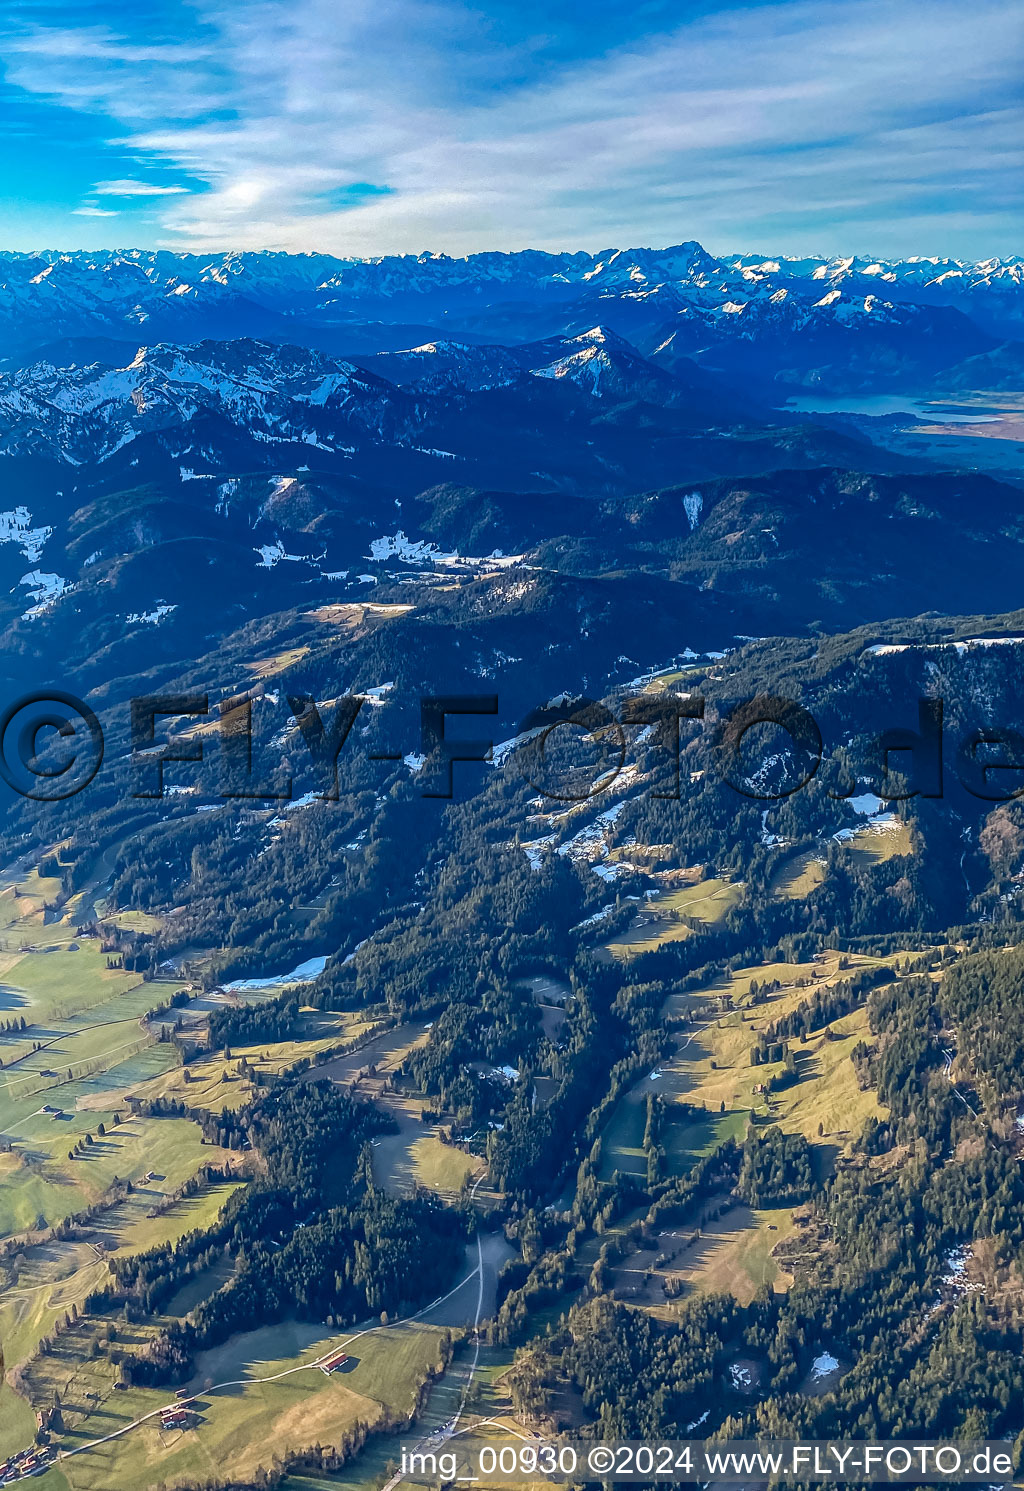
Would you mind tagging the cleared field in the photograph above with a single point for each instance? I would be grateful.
(79, 1052)
(884, 838)
(622, 1140)
(739, 1258)
(876, 842)
(415, 1155)
(441, 1167)
(732, 1255)
(683, 1140)
(711, 1070)
(38, 1180)
(127, 1228)
(382, 1452)
(217, 1082)
(798, 877)
(27, 1195)
(798, 979)
(17, 1423)
(715, 1067)
(665, 917)
(243, 1427)
(353, 616)
(25, 898)
(385, 1053)
(277, 663)
(52, 1276)
(52, 982)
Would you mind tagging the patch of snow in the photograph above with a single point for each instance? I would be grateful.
(955, 1278)
(769, 840)
(823, 1365)
(886, 649)
(604, 913)
(412, 551)
(304, 801)
(693, 504)
(45, 589)
(135, 618)
(534, 851)
(15, 528)
(424, 551)
(304, 974)
(271, 554)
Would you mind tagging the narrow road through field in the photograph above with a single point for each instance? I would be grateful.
(289, 1371)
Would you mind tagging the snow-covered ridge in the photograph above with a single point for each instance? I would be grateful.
(82, 413)
(138, 275)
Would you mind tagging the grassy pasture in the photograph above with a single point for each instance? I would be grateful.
(215, 1082)
(240, 1427)
(877, 842)
(660, 920)
(733, 1255)
(38, 1179)
(279, 662)
(799, 877)
(711, 1069)
(441, 1167)
(716, 1068)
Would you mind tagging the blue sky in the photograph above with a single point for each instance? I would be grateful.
(382, 126)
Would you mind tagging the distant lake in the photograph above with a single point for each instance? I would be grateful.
(937, 412)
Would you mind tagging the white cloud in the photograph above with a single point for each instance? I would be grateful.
(94, 212)
(136, 189)
(97, 43)
(894, 127)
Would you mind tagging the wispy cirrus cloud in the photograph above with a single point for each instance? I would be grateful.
(406, 124)
(126, 188)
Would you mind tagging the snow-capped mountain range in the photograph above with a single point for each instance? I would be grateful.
(88, 412)
(185, 440)
(369, 305)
